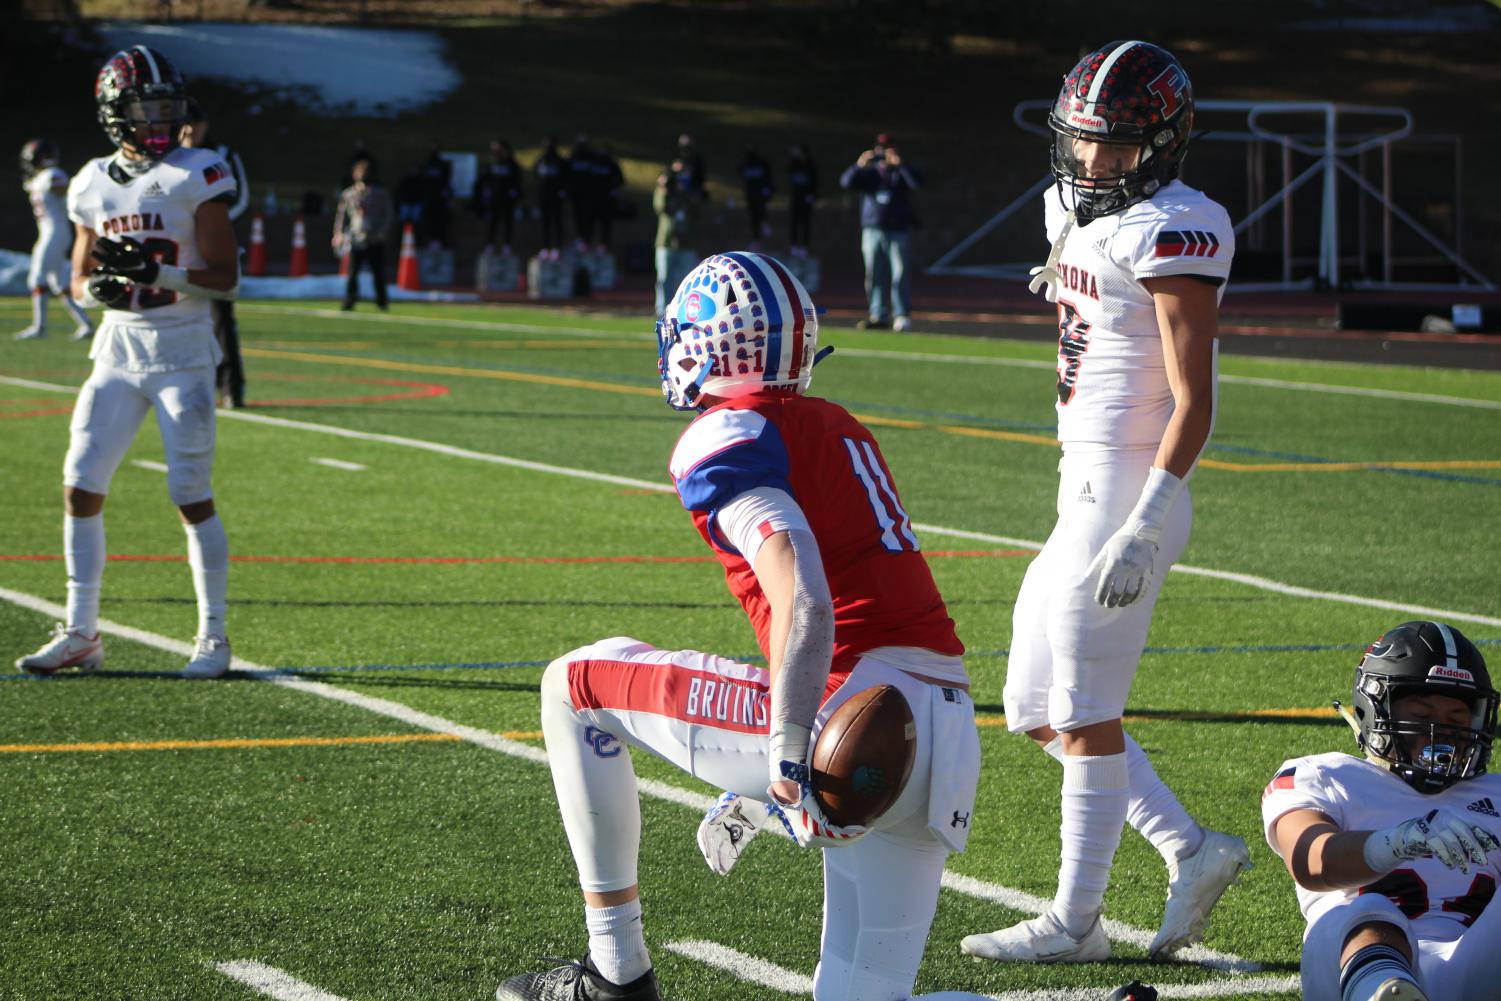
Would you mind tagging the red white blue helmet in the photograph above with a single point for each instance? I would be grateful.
(739, 323)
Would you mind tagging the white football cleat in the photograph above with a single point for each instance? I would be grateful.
(1041, 940)
(83, 332)
(67, 648)
(1399, 989)
(31, 333)
(210, 658)
(727, 828)
(1195, 885)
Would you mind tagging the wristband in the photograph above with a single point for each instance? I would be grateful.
(87, 300)
(789, 742)
(1378, 852)
(1162, 488)
(170, 276)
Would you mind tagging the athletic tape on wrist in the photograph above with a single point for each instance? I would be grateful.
(1157, 496)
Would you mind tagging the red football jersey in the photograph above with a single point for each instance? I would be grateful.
(830, 464)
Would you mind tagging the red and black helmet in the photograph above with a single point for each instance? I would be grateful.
(137, 91)
(1129, 94)
(36, 154)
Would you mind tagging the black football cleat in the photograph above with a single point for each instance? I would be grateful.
(1134, 991)
(576, 982)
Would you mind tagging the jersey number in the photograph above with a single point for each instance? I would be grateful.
(1408, 891)
(165, 252)
(1073, 341)
(881, 496)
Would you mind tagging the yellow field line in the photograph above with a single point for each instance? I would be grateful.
(895, 422)
(473, 373)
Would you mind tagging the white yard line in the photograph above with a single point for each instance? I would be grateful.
(271, 982)
(353, 467)
(1248, 580)
(743, 966)
(905, 356)
(700, 802)
(155, 467)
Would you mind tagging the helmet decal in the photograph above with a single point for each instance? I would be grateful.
(740, 322)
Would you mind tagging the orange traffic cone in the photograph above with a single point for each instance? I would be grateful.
(408, 271)
(299, 250)
(255, 261)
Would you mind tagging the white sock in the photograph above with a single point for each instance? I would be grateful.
(1156, 813)
(1096, 791)
(76, 311)
(1153, 809)
(83, 550)
(39, 310)
(208, 555)
(617, 947)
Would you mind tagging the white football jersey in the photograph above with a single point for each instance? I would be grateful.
(49, 206)
(1360, 796)
(162, 328)
(1113, 390)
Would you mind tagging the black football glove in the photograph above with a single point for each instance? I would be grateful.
(109, 289)
(127, 258)
(1134, 991)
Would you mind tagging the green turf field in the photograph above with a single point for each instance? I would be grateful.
(427, 506)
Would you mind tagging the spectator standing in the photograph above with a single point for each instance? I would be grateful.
(408, 194)
(437, 195)
(551, 171)
(610, 179)
(677, 211)
(584, 190)
(230, 375)
(362, 225)
(693, 177)
(755, 174)
(885, 182)
(802, 191)
(497, 192)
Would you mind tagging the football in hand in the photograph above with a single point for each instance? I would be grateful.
(863, 755)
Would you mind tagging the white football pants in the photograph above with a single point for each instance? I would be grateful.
(109, 411)
(1073, 660)
(1465, 967)
(708, 715)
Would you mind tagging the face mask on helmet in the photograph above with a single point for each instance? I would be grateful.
(1121, 126)
(1423, 706)
(739, 323)
(142, 102)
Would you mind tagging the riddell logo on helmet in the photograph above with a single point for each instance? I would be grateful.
(1451, 673)
(1085, 121)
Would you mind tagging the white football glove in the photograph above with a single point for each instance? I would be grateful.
(1124, 567)
(804, 819)
(727, 828)
(1440, 834)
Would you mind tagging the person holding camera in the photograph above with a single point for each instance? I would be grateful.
(676, 205)
(885, 182)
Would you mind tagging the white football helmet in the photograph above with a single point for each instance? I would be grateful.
(739, 323)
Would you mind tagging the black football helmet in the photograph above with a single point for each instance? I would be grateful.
(1428, 658)
(36, 154)
(137, 89)
(1129, 94)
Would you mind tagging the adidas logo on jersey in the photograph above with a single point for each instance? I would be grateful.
(1086, 496)
(1484, 806)
(154, 189)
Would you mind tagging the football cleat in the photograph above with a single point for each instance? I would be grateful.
(1195, 885)
(210, 658)
(1041, 940)
(1135, 991)
(576, 982)
(1399, 989)
(83, 332)
(31, 333)
(68, 648)
(727, 828)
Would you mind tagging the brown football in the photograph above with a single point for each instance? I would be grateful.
(863, 756)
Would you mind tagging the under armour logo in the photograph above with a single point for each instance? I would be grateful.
(959, 821)
(604, 744)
